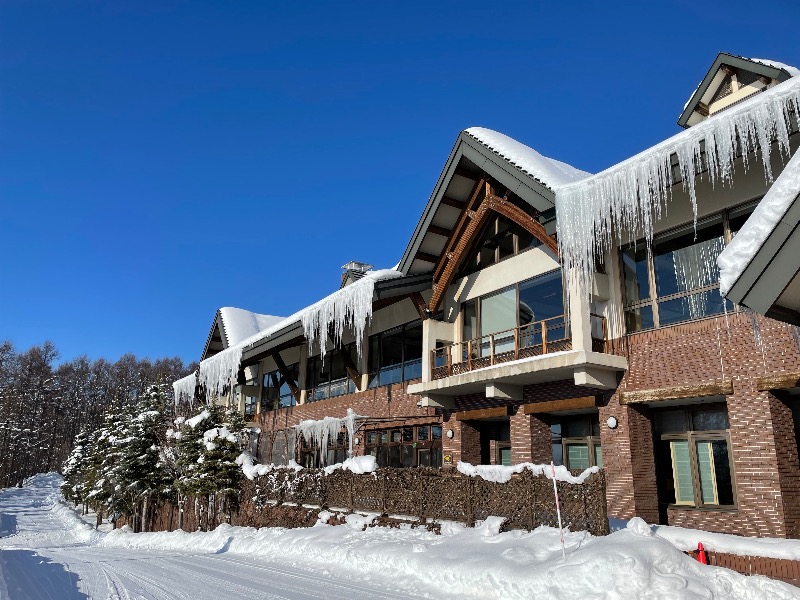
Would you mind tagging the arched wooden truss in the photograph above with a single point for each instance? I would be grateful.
(469, 225)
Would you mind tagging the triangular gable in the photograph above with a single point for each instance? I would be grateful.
(730, 80)
(524, 173)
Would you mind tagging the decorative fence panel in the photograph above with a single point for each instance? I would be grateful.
(425, 494)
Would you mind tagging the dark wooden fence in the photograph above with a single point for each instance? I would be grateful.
(526, 501)
(776, 568)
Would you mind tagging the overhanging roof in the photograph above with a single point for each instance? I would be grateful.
(522, 170)
(760, 268)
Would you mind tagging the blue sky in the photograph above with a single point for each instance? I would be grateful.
(160, 160)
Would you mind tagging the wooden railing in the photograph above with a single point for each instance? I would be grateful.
(526, 341)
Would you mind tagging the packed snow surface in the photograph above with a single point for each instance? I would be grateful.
(241, 324)
(54, 552)
(631, 196)
(552, 173)
(765, 218)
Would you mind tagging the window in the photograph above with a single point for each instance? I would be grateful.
(328, 378)
(396, 355)
(502, 237)
(336, 452)
(534, 300)
(692, 457)
(677, 279)
(576, 442)
(276, 392)
(418, 446)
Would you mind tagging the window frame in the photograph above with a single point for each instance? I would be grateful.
(416, 443)
(591, 441)
(653, 300)
(404, 365)
(692, 437)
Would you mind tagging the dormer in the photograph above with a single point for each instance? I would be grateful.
(730, 80)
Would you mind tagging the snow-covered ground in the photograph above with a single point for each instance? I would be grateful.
(47, 551)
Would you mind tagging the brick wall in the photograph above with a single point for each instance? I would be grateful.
(767, 471)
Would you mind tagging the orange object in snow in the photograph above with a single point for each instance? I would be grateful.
(701, 554)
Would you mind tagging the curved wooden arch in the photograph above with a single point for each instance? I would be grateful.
(451, 260)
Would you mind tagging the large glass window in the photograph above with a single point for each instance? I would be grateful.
(532, 301)
(396, 355)
(677, 280)
(692, 456)
(412, 446)
(276, 392)
(328, 377)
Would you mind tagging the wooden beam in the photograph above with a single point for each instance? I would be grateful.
(782, 313)
(523, 219)
(419, 304)
(463, 221)
(431, 258)
(778, 381)
(435, 229)
(384, 302)
(462, 172)
(352, 370)
(483, 413)
(284, 371)
(448, 201)
(697, 390)
(452, 262)
(557, 405)
(702, 108)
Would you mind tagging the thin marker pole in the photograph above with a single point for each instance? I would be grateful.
(558, 510)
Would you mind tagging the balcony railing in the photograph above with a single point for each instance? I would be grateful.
(525, 341)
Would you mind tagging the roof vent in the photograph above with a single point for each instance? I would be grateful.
(353, 271)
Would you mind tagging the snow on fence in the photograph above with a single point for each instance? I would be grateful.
(526, 500)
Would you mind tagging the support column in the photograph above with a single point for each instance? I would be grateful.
(530, 439)
(302, 368)
(464, 446)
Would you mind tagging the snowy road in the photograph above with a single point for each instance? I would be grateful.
(47, 552)
(41, 557)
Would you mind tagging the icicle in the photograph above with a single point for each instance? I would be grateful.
(350, 307)
(632, 195)
(184, 388)
(696, 267)
(220, 372)
(318, 432)
(794, 331)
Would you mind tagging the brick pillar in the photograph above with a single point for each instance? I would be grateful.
(788, 464)
(629, 462)
(530, 439)
(465, 445)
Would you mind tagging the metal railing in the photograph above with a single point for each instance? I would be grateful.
(526, 341)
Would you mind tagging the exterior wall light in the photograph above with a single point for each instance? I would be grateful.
(356, 440)
(450, 434)
(612, 422)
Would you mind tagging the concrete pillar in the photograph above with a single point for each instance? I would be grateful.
(580, 325)
(302, 368)
(433, 331)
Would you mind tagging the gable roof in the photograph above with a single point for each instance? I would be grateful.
(521, 169)
(233, 325)
(773, 70)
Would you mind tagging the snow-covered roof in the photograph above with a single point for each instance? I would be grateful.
(793, 71)
(240, 324)
(765, 218)
(552, 173)
(350, 307)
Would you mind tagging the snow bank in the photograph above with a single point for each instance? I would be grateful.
(686, 539)
(462, 562)
(633, 194)
(502, 474)
(356, 464)
(550, 172)
(765, 218)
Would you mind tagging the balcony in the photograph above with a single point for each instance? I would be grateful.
(501, 363)
(526, 341)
